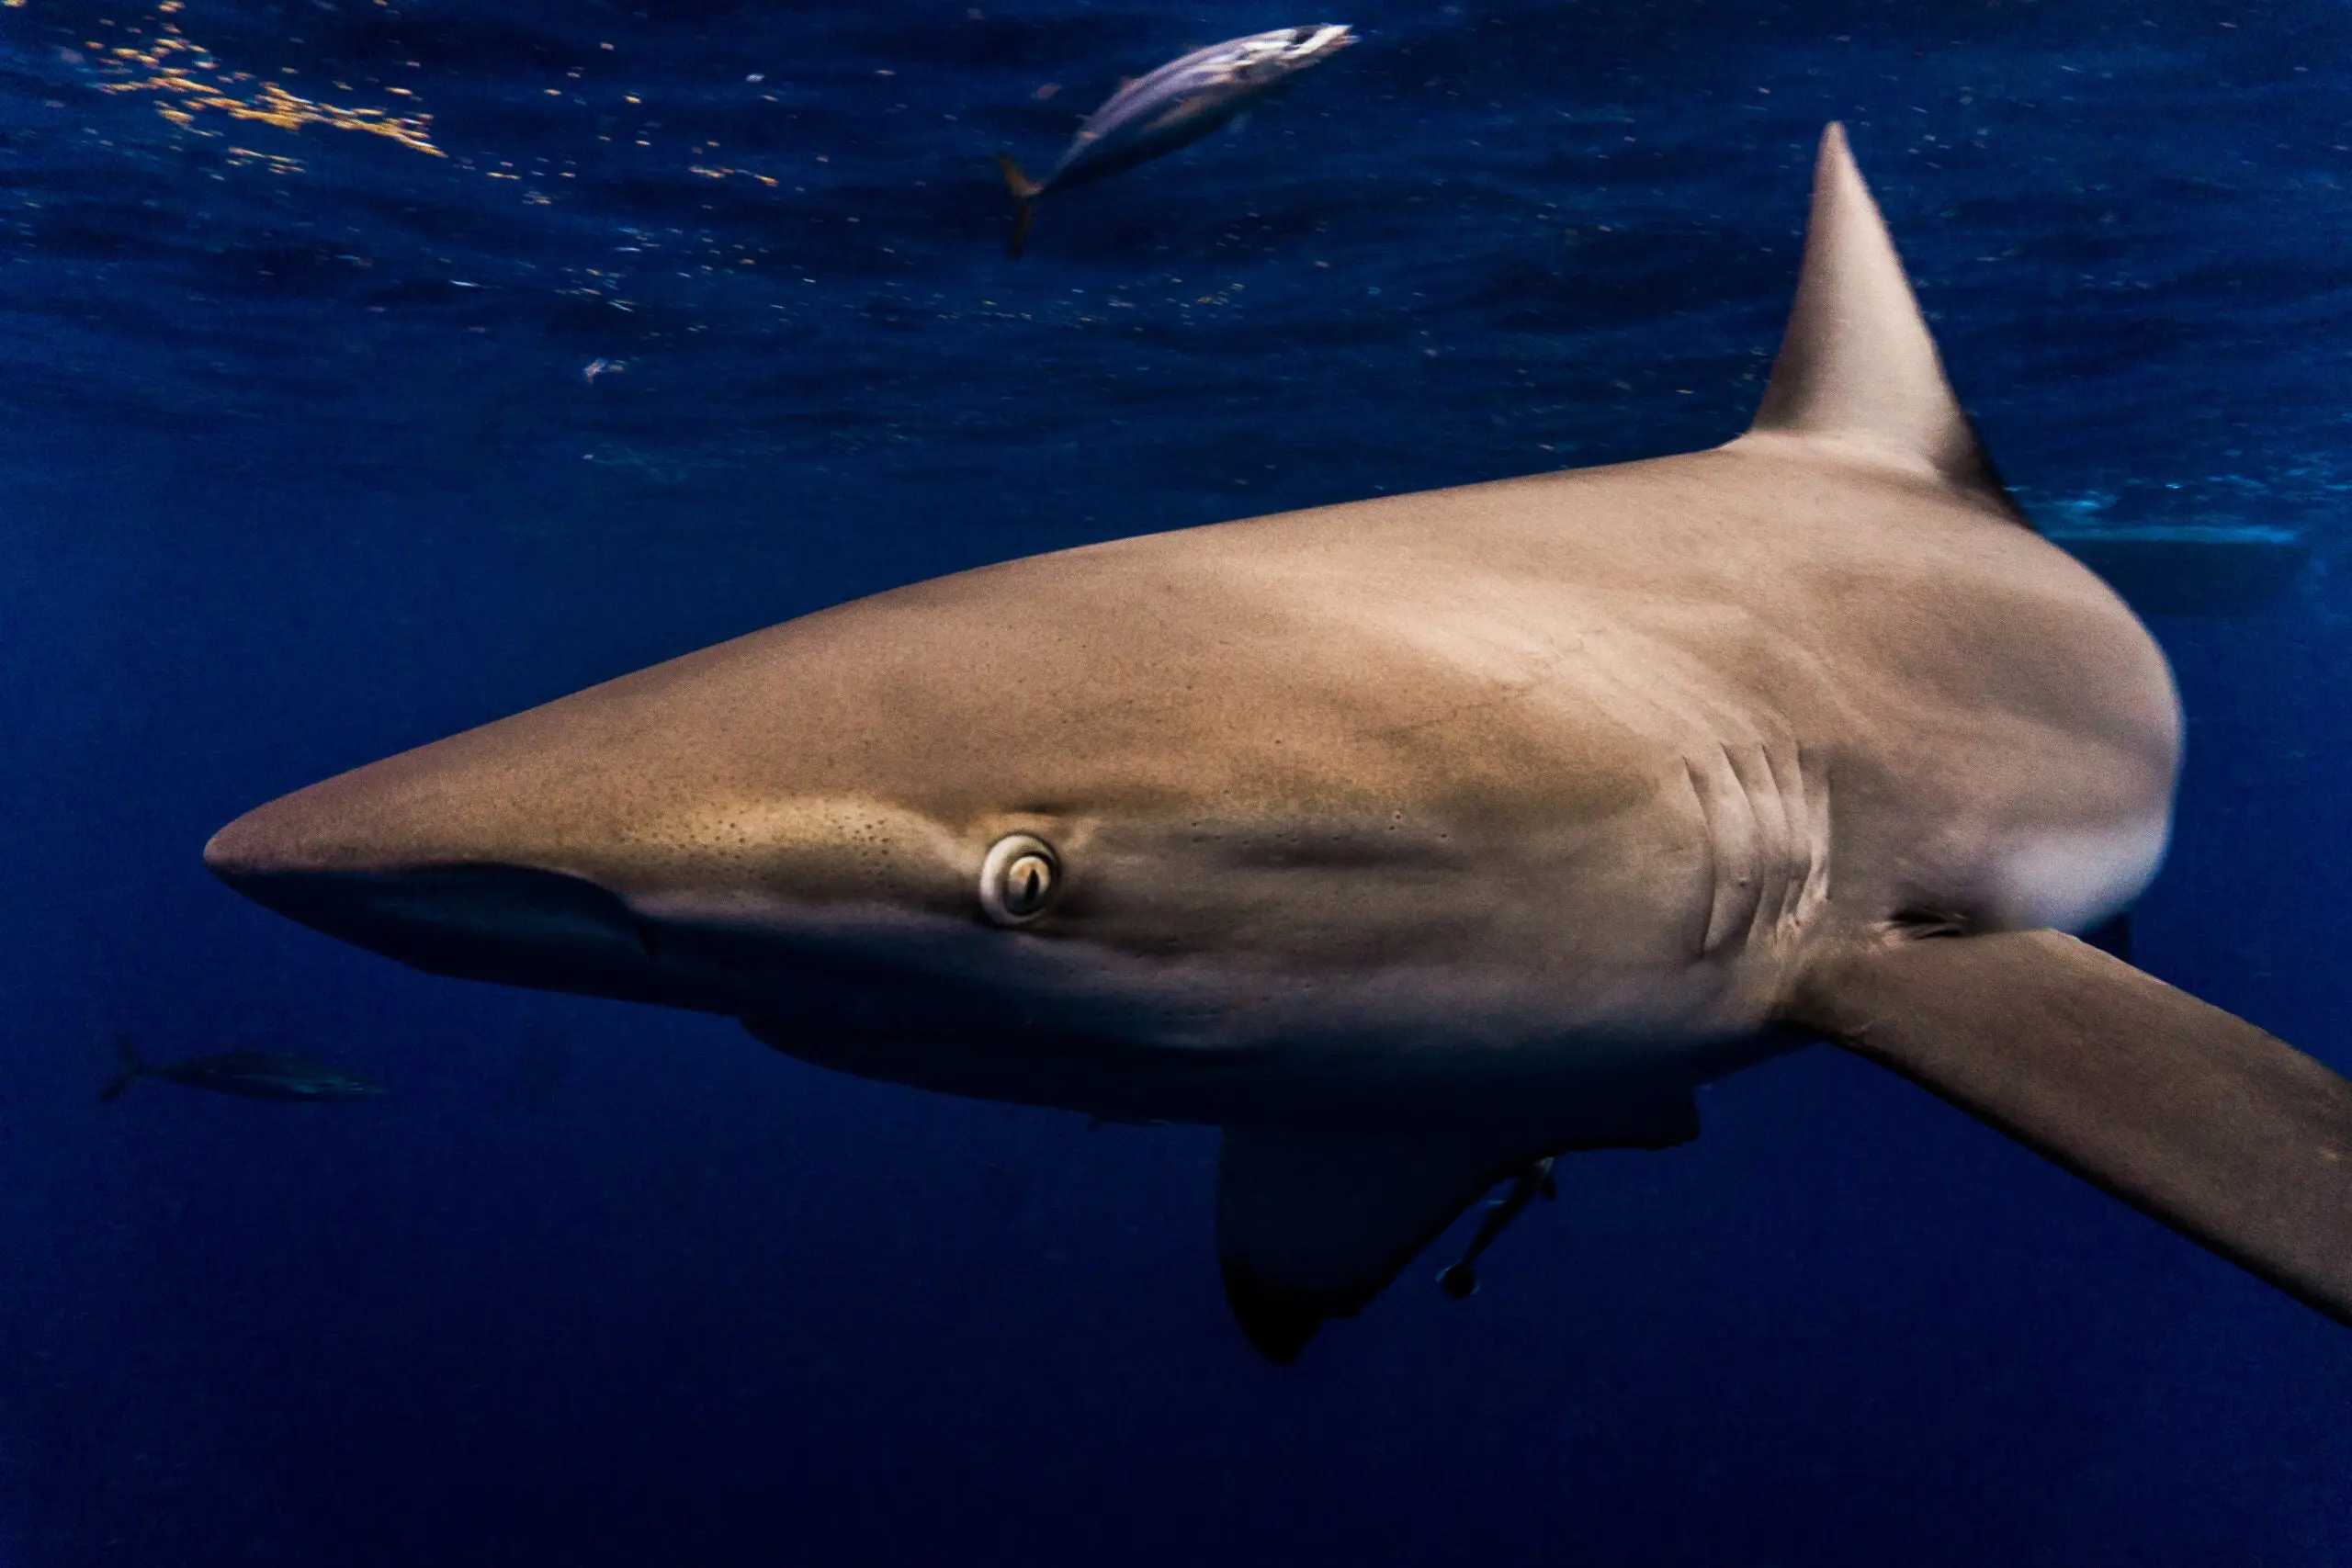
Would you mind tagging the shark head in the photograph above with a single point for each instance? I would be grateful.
(1184, 799)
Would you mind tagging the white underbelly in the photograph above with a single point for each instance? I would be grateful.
(2072, 878)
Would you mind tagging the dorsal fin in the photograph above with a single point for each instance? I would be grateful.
(1857, 371)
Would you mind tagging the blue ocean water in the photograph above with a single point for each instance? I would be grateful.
(304, 465)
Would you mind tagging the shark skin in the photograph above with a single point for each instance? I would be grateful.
(1414, 840)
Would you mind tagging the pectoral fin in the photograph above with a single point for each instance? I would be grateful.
(1311, 1225)
(2192, 1116)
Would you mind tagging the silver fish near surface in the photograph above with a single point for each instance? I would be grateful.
(251, 1074)
(1174, 106)
(1416, 840)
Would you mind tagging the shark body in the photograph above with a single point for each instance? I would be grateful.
(1416, 841)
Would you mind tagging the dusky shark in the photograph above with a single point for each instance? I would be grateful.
(1172, 107)
(1418, 840)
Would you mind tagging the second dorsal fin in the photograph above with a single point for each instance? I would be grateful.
(1859, 370)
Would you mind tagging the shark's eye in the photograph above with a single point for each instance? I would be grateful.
(1018, 879)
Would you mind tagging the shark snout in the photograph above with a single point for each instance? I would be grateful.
(548, 851)
(519, 924)
(373, 860)
(265, 843)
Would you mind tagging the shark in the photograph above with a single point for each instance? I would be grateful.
(1416, 843)
(251, 1074)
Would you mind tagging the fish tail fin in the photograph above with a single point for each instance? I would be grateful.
(131, 1071)
(1025, 203)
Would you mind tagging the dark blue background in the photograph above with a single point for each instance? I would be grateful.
(603, 1285)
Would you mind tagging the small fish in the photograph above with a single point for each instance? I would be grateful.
(256, 1075)
(1174, 106)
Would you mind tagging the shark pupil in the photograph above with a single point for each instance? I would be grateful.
(1027, 890)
